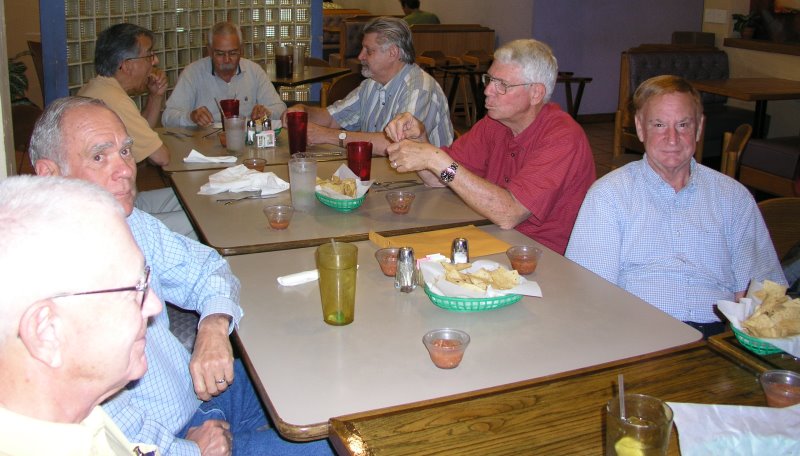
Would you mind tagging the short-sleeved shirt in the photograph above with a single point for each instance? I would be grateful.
(199, 86)
(679, 251)
(372, 105)
(548, 168)
(108, 89)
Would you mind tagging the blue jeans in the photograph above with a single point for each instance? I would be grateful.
(239, 406)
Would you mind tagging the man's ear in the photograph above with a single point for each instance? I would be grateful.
(537, 93)
(394, 52)
(40, 330)
(46, 167)
(700, 126)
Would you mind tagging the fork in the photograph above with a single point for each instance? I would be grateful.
(386, 186)
(228, 201)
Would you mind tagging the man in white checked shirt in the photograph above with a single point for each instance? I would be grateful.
(675, 233)
(394, 84)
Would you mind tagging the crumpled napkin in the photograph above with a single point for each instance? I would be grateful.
(196, 157)
(346, 173)
(481, 243)
(737, 312)
(733, 429)
(298, 278)
(433, 274)
(240, 179)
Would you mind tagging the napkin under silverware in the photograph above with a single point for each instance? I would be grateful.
(240, 179)
(196, 157)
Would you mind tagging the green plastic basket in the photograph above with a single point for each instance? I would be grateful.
(755, 345)
(471, 304)
(341, 205)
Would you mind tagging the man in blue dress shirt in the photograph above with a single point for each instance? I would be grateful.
(204, 405)
(671, 231)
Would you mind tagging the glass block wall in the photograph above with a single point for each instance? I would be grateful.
(181, 27)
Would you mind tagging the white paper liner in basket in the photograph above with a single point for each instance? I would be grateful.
(344, 173)
(433, 274)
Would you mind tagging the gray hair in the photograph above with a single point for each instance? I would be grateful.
(393, 31)
(115, 44)
(535, 59)
(43, 216)
(47, 137)
(224, 28)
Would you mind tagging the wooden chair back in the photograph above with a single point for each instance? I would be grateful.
(342, 86)
(782, 216)
(36, 54)
(732, 147)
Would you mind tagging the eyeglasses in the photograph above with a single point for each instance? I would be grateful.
(143, 286)
(150, 56)
(500, 86)
(231, 54)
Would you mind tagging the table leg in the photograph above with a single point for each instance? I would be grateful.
(760, 121)
(570, 105)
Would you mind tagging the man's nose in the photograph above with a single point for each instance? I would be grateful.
(362, 55)
(123, 168)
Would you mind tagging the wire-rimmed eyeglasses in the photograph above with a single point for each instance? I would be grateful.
(143, 286)
(499, 85)
(233, 53)
(150, 56)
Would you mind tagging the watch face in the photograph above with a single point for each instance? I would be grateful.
(342, 136)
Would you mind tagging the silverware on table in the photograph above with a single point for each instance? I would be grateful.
(233, 200)
(386, 186)
(217, 130)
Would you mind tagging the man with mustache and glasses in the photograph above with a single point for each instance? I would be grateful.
(223, 75)
(73, 317)
(394, 84)
(125, 63)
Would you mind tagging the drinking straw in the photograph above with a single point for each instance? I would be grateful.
(335, 247)
(621, 387)
(221, 112)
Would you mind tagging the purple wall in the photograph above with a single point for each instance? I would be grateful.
(587, 38)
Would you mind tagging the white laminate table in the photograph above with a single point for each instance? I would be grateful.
(308, 372)
(241, 227)
(181, 141)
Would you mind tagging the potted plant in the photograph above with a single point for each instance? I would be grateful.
(745, 24)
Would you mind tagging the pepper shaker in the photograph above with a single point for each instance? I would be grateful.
(405, 279)
(460, 252)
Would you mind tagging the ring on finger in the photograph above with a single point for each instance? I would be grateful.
(220, 381)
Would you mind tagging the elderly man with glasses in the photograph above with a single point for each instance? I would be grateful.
(125, 63)
(73, 317)
(526, 165)
(223, 75)
(394, 84)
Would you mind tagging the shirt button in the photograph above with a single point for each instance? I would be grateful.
(506, 179)
(513, 154)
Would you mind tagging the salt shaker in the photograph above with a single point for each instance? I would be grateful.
(460, 252)
(405, 279)
(250, 139)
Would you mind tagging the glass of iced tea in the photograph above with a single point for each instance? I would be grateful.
(336, 263)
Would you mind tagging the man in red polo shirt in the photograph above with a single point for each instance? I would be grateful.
(526, 165)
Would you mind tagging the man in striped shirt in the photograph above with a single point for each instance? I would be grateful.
(394, 84)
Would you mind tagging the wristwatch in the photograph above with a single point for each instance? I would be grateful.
(342, 137)
(449, 173)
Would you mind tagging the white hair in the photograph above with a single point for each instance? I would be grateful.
(535, 59)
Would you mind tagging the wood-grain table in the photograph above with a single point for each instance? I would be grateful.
(308, 372)
(760, 90)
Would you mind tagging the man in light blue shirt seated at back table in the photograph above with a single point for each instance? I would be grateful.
(671, 231)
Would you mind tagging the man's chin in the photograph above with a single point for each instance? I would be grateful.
(126, 201)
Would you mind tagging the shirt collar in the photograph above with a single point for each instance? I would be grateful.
(397, 81)
(654, 179)
(238, 67)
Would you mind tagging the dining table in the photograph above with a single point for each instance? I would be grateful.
(241, 227)
(558, 414)
(760, 90)
(307, 372)
(182, 140)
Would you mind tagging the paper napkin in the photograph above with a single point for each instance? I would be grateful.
(433, 274)
(240, 179)
(346, 173)
(196, 157)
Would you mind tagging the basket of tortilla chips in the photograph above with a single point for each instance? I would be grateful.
(474, 287)
(767, 315)
(343, 192)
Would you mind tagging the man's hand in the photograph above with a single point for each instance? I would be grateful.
(406, 126)
(260, 111)
(202, 117)
(320, 135)
(213, 437)
(157, 82)
(211, 366)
